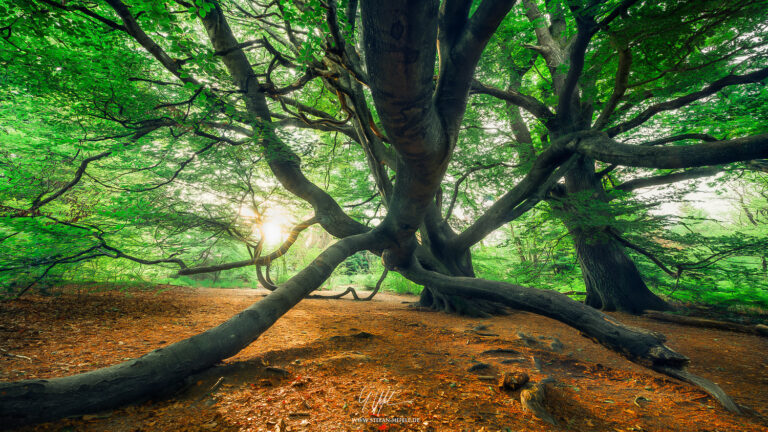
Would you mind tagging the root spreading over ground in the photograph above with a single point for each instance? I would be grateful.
(327, 364)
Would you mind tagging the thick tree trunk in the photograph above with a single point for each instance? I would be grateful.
(455, 265)
(33, 401)
(435, 235)
(611, 278)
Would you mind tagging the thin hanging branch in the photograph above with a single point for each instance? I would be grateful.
(259, 260)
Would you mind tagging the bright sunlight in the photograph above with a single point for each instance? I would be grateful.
(273, 224)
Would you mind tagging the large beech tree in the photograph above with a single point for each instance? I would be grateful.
(395, 77)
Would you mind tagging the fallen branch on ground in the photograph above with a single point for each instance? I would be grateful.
(758, 329)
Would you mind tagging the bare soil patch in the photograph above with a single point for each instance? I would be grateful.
(314, 369)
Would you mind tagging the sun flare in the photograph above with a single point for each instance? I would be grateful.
(273, 224)
(273, 232)
(247, 212)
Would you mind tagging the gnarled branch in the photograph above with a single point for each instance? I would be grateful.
(600, 147)
(528, 103)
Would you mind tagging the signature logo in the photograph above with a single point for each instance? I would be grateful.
(373, 400)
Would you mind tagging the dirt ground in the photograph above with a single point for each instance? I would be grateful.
(329, 363)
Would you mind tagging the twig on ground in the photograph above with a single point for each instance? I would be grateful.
(5, 352)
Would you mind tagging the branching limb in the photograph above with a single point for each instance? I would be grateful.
(645, 182)
(141, 129)
(661, 141)
(84, 255)
(720, 255)
(101, 249)
(324, 126)
(354, 293)
(537, 182)
(682, 101)
(363, 202)
(102, 389)
(132, 28)
(256, 260)
(619, 87)
(43, 200)
(461, 40)
(120, 254)
(577, 50)
(547, 46)
(178, 171)
(600, 147)
(461, 180)
(682, 267)
(265, 281)
(283, 162)
(343, 53)
(680, 137)
(645, 253)
(620, 10)
(528, 103)
(87, 12)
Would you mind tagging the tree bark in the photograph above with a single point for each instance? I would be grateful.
(450, 261)
(611, 278)
(421, 118)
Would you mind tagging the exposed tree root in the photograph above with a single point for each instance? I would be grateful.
(354, 293)
(512, 381)
(638, 345)
(534, 400)
(40, 400)
(437, 300)
(210, 391)
(708, 386)
(707, 323)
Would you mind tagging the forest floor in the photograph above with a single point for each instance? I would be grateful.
(327, 362)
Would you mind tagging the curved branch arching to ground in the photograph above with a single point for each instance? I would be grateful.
(263, 277)
(638, 345)
(40, 400)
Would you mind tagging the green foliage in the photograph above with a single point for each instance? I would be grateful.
(73, 88)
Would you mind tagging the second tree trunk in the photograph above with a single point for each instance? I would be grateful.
(611, 278)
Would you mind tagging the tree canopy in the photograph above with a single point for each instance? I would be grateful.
(173, 134)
